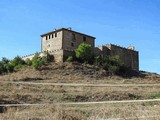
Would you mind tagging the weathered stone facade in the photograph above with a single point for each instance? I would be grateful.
(62, 43)
(128, 56)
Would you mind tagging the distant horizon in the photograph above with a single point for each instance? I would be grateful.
(122, 22)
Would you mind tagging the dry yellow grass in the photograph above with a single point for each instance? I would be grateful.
(69, 73)
(149, 111)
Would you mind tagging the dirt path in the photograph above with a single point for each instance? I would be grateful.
(85, 85)
(83, 103)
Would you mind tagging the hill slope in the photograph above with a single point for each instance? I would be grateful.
(70, 73)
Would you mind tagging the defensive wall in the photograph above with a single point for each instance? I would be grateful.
(128, 56)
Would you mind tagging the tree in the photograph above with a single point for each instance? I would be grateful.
(111, 64)
(1, 67)
(10, 67)
(4, 63)
(17, 61)
(35, 61)
(5, 60)
(38, 61)
(84, 52)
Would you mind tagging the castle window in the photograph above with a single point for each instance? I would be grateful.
(49, 36)
(72, 44)
(52, 35)
(55, 34)
(73, 37)
(84, 38)
(46, 38)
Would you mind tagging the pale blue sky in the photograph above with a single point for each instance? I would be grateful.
(121, 22)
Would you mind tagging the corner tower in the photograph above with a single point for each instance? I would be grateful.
(64, 40)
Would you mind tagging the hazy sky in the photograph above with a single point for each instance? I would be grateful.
(121, 22)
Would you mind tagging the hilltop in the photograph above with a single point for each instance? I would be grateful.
(76, 72)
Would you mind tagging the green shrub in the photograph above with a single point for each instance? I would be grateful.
(10, 67)
(155, 95)
(98, 60)
(1, 67)
(84, 52)
(43, 60)
(113, 69)
(5, 61)
(17, 61)
(35, 64)
(19, 66)
(70, 59)
(111, 64)
(37, 61)
(28, 62)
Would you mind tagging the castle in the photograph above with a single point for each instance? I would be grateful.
(62, 43)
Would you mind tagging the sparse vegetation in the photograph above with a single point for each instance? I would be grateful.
(10, 67)
(84, 53)
(70, 59)
(7, 65)
(28, 62)
(155, 95)
(111, 64)
(37, 61)
(101, 71)
(75, 73)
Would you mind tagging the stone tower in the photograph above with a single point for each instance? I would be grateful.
(62, 42)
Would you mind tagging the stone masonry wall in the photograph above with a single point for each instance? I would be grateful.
(57, 54)
(41, 54)
(102, 50)
(71, 40)
(53, 41)
(128, 57)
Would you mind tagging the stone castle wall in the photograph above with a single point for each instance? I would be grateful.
(41, 54)
(129, 57)
(71, 40)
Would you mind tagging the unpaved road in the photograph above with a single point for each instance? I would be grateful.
(83, 103)
(85, 85)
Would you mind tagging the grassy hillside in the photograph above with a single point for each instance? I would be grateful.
(51, 95)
